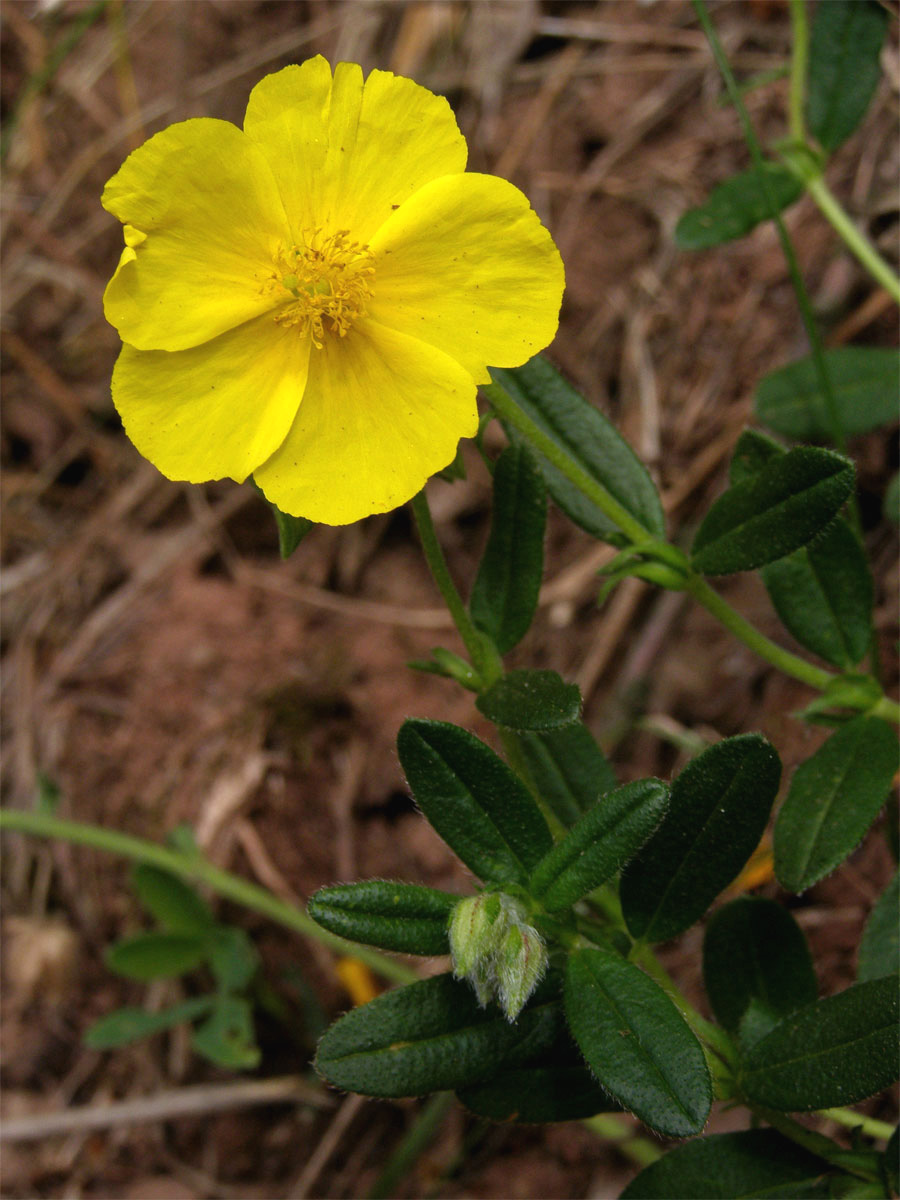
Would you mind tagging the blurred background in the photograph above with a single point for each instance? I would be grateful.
(162, 666)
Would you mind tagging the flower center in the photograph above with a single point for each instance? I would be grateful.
(330, 280)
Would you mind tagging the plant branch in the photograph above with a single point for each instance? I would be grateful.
(803, 301)
(853, 1120)
(799, 70)
(193, 867)
(855, 241)
(501, 401)
(475, 644)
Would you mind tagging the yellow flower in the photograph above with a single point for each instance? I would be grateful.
(313, 299)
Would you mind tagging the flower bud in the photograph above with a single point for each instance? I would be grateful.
(477, 925)
(521, 962)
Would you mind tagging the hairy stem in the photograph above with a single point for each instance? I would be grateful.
(475, 644)
(799, 70)
(502, 403)
(195, 868)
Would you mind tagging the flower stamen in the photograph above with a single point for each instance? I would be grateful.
(330, 280)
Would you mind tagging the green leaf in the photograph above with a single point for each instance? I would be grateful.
(733, 1166)
(865, 382)
(600, 844)
(127, 1025)
(753, 451)
(833, 799)
(592, 441)
(718, 810)
(823, 592)
(568, 769)
(844, 68)
(554, 1086)
(395, 916)
(226, 1037)
(833, 1052)
(232, 958)
(174, 904)
(531, 701)
(823, 595)
(879, 949)
(735, 207)
(432, 1036)
(480, 808)
(156, 955)
(505, 593)
(637, 1043)
(755, 950)
(778, 510)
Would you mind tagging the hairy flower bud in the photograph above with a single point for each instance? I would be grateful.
(496, 950)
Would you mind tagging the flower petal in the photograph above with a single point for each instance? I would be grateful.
(346, 153)
(381, 413)
(217, 410)
(466, 265)
(208, 204)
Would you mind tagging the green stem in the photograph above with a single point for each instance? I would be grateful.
(855, 241)
(799, 70)
(437, 564)
(502, 403)
(193, 867)
(412, 1146)
(790, 664)
(717, 1039)
(816, 1143)
(852, 1120)
(803, 301)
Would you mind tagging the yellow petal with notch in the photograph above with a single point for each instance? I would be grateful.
(204, 225)
(347, 152)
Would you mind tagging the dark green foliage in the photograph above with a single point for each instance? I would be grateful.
(432, 1036)
(395, 916)
(531, 701)
(481, 809)
(844, 68)
(836, 1051)
(754, 950)
(779, 509)
(600, 844)
(735, 207)
(734, 1166)
(637, 1043)
(865, 382)
(554, 1086)
(717, 813)
(822, 592)
(823, 595)
(879, 950)
(505, 592)
(567, 768)
(591, 441)
(833, 799)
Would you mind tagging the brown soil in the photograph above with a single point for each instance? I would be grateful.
(163, 666)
